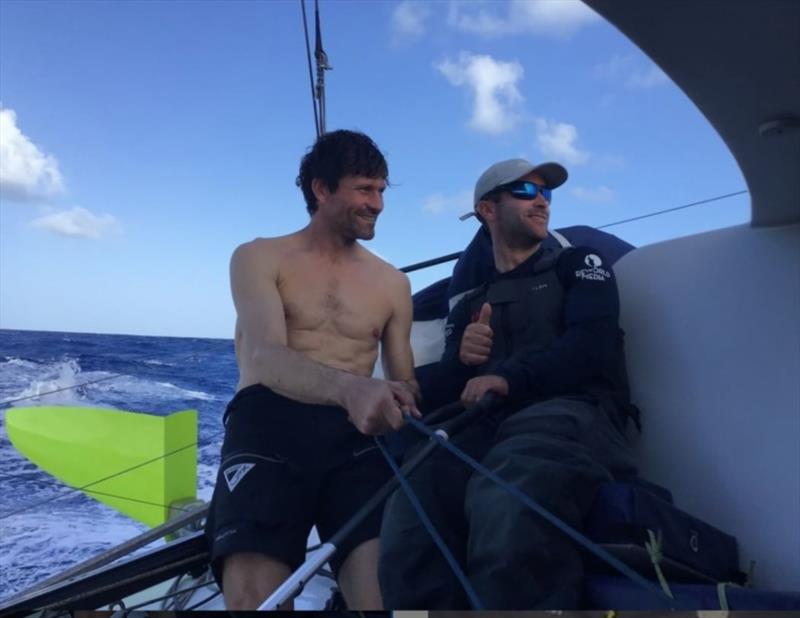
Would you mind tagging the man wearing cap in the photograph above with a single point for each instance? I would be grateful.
(542, 335)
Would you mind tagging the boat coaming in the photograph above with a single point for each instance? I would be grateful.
(713, 339)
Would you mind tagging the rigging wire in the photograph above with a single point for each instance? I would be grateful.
(58, 390)
(204, 601)
(73, 490)
(447, 554)
(322, 66)
(410, 268)
(661, 212)
(318, 90)
(310, 70)
(454, 256)
(174, 593)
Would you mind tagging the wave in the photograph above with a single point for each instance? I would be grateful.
(65, 382)
(56, 383)
(189, 394)
(19, 362)
(72, 535)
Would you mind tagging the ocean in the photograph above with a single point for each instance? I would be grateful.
(45, 526)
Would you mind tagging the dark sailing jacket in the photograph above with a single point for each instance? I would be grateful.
(555, 331)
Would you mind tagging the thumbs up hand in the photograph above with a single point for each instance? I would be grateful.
(476, 343)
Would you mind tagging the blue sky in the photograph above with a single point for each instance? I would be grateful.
(141, 142)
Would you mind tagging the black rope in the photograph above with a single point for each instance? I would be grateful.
(661, 212)
(433, 262)
(310, 70)
(83, 488)
(322, 66)
(94, 492)
(454, 256)
(171, 595)
(412, 498)
(58, 390)
(533, 505)
(107, 478)
(405, 269)
(204, 601)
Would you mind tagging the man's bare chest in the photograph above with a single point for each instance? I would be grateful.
(344, 301)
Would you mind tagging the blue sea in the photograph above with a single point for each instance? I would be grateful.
(45, 526)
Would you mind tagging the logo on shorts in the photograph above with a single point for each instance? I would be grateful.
(235, 473)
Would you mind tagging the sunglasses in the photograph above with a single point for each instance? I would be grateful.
(526, 190)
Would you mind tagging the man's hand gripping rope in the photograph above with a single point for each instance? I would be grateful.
(295, 583)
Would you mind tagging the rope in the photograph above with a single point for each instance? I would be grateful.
(310, 71)
(474, 601)
(653, 547)
(109, 477)
(171, 594)
(322, 66)
(204, 601)
(722, 596)
(661, 212)
(534, 506)
(58, 390)
(106, 478)
(457, 254)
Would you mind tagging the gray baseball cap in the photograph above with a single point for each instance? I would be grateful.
(554, 175)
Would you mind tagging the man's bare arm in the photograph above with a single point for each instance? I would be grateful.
(397, 357)
(265, 358)
(261, 324)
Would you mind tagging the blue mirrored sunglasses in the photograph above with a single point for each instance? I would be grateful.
(526, 190)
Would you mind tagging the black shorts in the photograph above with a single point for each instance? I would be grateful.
(287, 466)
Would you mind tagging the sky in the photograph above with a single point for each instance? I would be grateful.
(142, 142)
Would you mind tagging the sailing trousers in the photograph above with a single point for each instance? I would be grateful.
(559, 452)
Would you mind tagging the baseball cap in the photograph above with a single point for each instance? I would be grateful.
(554, 175)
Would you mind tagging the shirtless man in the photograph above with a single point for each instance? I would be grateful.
(312, 308)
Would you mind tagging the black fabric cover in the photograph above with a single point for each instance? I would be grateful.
(624, 511)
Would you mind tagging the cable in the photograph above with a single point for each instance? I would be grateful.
(72, 490)
(310, 71)
(171, 594)
(547, 515)
(58, 390)
(204, 601)
(474, 601)
(661, 212)
(109, 477)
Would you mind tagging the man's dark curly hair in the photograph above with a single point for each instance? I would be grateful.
(338, 154)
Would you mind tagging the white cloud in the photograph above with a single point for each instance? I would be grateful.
(438, 203)
(557, 18)
(493, 85)
(614, 67)
(609, 163)
(625, 70)
(558, 140)
(550, 18)
(26, 173)
(601, 194)
(77, 222)
(647, 78)
(409, 17)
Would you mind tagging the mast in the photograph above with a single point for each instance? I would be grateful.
(318, 90)
(322, 66)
